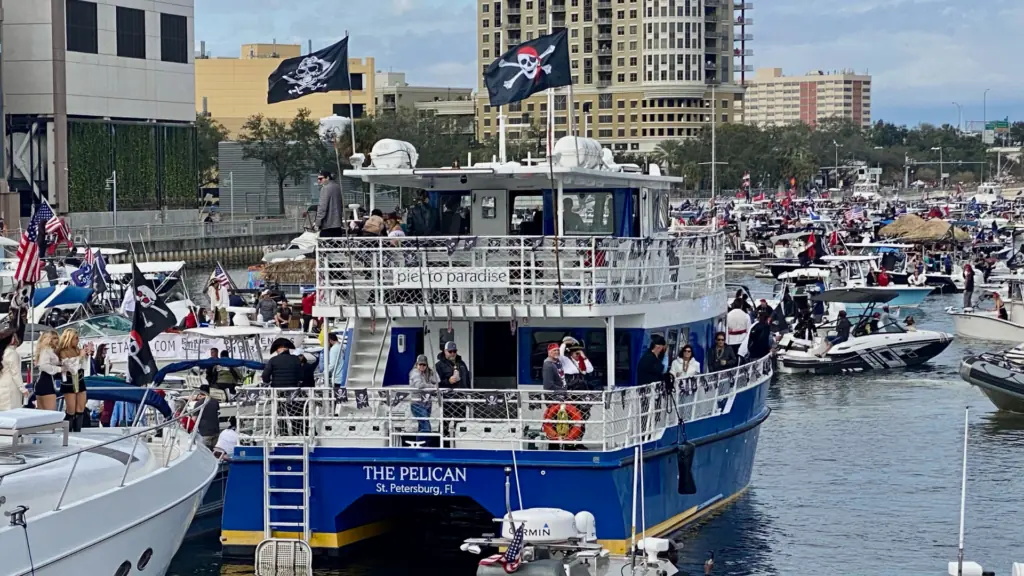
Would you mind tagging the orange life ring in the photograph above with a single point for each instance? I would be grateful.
(557, 426)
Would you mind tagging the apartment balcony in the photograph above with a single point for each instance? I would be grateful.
(513, 26)
(712, 81)
(712, 4)
(604, 4)
(604, 82)
(743, 52)
(744, 22)
(711, 19)
(604, 67)
(604, 36)
(712, 34)
(744, 68)
(558, 6)
(603, 21)
(709, 65)
(744, 37)
(604, 52)
(558, 22)
(513, 10)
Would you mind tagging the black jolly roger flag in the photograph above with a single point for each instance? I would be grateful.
(321, 71)
(152, 316)
(141, 365)
(531, 67)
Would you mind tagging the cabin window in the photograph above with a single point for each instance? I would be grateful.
(527, 218)
(489, 207)
(660, 205)
(588, 214)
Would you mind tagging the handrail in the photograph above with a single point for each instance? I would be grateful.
(170, 422)
(380, 351)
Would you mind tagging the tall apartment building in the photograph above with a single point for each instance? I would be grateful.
(775, 99)
(644, 69)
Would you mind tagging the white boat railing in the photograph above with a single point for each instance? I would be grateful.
(517, 270)
(171, 430)
(400, 416)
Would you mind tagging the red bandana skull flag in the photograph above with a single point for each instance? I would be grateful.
(531, 67)
(151, 318)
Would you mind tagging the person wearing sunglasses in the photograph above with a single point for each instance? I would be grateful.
(330, 209)
(722, 357)
(685, 366)
(423, 378)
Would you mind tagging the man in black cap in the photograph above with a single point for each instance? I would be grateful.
(284, 370)
(209, 418)
(331, 208)
(651, 369)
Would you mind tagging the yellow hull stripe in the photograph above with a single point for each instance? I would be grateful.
(365, 532)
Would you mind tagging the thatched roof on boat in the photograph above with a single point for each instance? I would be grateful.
(291, 272)
(913, 228)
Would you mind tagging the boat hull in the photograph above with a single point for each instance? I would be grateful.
(987, 327)
(378, 481)
(873, 352)
(1001, 380)
(906, 297)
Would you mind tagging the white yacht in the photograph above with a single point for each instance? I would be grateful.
(105, 501)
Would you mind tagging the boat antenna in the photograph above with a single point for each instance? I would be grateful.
(643, 507)
(963, 499)
(515, 467)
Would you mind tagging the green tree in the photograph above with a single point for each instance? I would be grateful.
(209, 133)
(288, 149)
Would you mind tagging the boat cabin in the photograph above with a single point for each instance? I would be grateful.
(524, 256)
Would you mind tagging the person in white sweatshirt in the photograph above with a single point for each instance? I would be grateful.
(575, 364)
(685, 366)
(12, 388)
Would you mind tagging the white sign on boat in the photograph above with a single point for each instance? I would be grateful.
(451, 277)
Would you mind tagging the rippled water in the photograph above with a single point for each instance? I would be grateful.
(855, 474)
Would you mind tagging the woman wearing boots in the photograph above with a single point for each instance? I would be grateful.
(72, 361)
(49, 371)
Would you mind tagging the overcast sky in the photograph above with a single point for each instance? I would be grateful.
(923, 54)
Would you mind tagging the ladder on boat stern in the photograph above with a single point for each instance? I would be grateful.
(285, 509)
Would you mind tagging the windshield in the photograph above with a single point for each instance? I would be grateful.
(110, 324)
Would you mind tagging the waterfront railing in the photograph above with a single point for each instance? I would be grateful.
(520, 419)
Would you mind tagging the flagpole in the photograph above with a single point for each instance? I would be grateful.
(351, 108)
(551, 107)
(501, 135)
(572, 123)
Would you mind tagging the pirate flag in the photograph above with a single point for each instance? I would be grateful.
(321, 71)
(152, 316)
(531, 67)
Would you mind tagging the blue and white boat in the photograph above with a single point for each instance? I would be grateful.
(340, 463)
(853, 271)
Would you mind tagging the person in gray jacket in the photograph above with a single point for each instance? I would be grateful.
(330, 209)
(423, 378)
(551, 371)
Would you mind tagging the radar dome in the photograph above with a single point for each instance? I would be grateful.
(390, 154)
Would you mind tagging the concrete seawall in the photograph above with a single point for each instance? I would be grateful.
(242, 250)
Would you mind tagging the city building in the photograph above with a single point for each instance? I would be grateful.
(775, 99)
(644, 69)
(391, 91)
(232, 89)
(94, 87)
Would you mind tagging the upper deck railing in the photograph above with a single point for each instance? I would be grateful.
(375, 276)
(402, 417)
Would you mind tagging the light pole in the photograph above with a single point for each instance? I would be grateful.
(112, 184)
(942, 180)
(984, 114)
(838, 146)
(959, 117)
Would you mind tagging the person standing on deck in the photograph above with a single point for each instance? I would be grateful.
(737, 323)
(968, 285)
(330, 208)
(451, 369)
(425, 381)
(650, 368)
(721, 357)
(552, 371)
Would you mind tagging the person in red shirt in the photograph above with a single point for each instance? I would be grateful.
(883, 278)
(190, 320)
(308, 301)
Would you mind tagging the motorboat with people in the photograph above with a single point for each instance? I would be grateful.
(999, 375)
(859, 272)
(478, 315)
(861, 343)
(1004, 323)
(110, 501)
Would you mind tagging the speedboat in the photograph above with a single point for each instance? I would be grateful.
(854, 272)
(300, 248)
(1000, 375)
(891, 346)
(102, 501)
(986, 325)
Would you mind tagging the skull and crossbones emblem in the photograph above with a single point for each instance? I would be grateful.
(145, 296)
(529, 64)
(311, 74)
(134, 349)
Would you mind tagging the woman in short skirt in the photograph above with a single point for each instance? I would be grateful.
(49, 371)
(72, 361)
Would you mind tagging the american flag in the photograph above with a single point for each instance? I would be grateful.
(90, 256)
(221, 276)
(32, 246)
(855, 213)
(514, 554)
(57, 227)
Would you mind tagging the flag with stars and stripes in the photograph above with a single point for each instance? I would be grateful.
(59, 229)
(514, 554)
(32, 246)
(221, 276)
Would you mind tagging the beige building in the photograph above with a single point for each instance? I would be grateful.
(645, 69)
(233, 89)
(390, 90)
(775, 99)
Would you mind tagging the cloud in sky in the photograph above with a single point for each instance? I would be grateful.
(923, 54)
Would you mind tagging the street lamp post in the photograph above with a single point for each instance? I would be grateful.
(112, 185)
(942, 180)
(984, 113)
(838, 146)
(959, 117)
